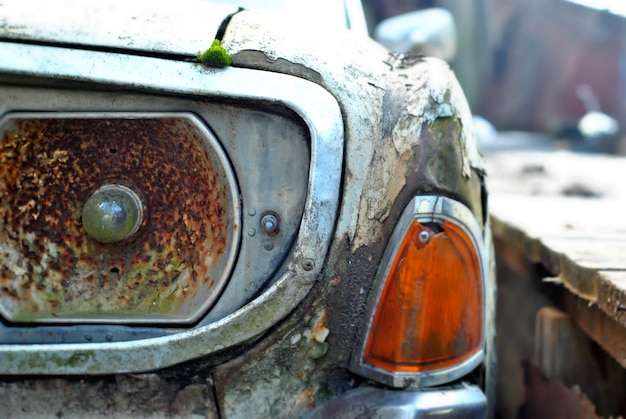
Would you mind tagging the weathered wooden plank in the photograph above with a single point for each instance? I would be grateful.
(561, 216)
(547, 398)
(566, 212)
(612, 294)
(608, 333)
(575, 261)
(557, 174)
(558, 349)
(564, 353)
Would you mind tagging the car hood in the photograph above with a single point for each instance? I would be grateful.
(152, 27)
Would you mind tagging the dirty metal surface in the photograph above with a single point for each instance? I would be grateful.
(170, 270)
(125, 396)
(302, 361)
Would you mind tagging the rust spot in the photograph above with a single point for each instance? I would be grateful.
(319, 331)
(336, 280)
(308, 397)
(48, 169)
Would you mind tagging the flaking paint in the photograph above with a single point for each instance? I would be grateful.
(424, 91)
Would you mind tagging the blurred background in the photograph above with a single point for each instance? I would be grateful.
(539, 66)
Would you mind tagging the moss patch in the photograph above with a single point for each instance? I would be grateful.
(216, 56)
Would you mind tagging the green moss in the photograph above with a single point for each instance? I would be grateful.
(77, 360)
(445, 164)
(216, 56)
(318, 349)
(443, 127)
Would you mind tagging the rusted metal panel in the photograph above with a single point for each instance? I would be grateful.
(264, 140)
(170, 270)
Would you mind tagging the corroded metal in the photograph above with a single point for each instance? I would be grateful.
(169, 270)
(390, 139)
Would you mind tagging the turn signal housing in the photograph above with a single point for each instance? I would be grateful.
(427, 309)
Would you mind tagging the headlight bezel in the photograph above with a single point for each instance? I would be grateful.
(48, 66)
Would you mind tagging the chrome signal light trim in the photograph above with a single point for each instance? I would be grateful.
(425, 210)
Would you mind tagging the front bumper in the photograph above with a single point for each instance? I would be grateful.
(462, 401)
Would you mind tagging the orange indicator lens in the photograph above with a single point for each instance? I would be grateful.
(430, 314)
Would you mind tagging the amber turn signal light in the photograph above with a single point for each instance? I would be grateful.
(430, 313)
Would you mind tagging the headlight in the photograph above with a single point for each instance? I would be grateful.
(113, 218)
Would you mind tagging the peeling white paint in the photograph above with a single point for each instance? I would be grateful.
(295, 339)
(139, 25)
(435, 93)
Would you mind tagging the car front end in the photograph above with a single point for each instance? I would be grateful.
(300, 230)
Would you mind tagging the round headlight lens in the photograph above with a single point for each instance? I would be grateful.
(112, 213)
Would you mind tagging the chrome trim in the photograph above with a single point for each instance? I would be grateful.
(423, 209)
(317, 108)
(463, 401)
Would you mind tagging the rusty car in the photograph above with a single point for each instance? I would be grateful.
(214, 210)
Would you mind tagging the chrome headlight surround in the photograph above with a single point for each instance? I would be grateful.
(319, 111)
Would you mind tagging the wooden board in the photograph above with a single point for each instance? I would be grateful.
(566, 212)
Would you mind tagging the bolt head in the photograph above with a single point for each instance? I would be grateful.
(308, 264)
(269, 224)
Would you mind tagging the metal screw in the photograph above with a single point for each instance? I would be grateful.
(252, 211)
(108, 337)
(424, 236)
(269, 224)
(308, 264)
(251, 232)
